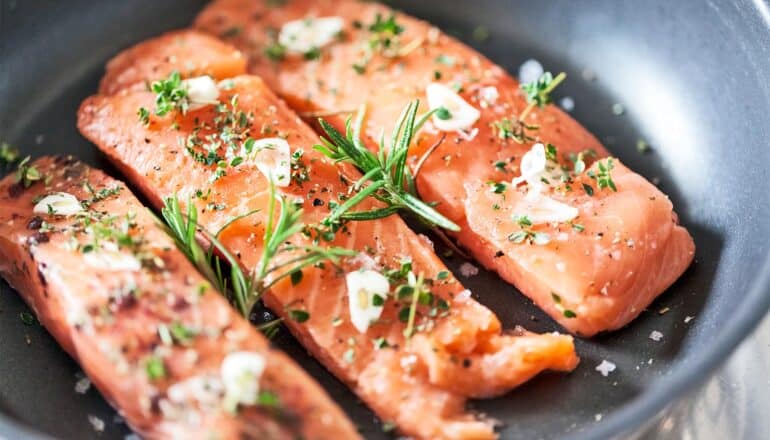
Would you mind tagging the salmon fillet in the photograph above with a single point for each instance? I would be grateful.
(108, 283)
(189, 53)
(418, 381)
(594, 279)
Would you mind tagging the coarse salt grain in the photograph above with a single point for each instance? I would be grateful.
(530, 70)
(468, 270)
(96, 423)
(82, 385)
(605, 368)
(656, 335)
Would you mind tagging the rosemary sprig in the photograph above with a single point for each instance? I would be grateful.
(243, 289)
(277, 234)
(386, 171)
(184, 229)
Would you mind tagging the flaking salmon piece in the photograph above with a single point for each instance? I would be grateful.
(392, 373)
(163, 347)
(597, 279)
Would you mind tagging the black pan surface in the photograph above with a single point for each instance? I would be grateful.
(693, 79)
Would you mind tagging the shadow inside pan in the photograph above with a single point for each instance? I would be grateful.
(700, 102)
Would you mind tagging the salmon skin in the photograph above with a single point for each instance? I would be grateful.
(156, 340)
(419, 381)
(627, 247)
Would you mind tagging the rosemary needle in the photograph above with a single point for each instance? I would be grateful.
(386, 176)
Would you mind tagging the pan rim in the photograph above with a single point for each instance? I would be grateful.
(634, 413)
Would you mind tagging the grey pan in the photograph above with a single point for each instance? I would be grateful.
(694, 79)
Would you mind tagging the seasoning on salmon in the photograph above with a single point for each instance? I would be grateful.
(391, 322)
(161, 345)
(191, 54)
(592, 272)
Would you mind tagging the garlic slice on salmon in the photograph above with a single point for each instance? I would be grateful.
(539, 209)
(273, 159)
(304, 35)
(532, 167)
(59, 203)
(367, 290)
(201, 91)
(455, 113)
(241, 372)
(112, 261)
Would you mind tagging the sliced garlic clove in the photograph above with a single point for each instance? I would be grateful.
(273, 159)
(367, 290)
(241, 372)
(201, 91)
(305, 35)
(59, 203)
(541, 209)
(461, 115)
(532, 166)
(112, 261)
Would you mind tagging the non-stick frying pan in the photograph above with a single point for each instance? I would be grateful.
(693, 81)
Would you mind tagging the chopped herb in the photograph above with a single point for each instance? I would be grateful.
(27, 174)
(551, 153)
(443, 113)
(445, 60)
(170, 94)
(386, 171)
(578, 227)
(299, 315)
(182, 333)
(442, 275)
(526, 234)
(499, 187)
(570, 314)
(268, 399)
(538, 94)
(296, 277)
(155, 368)
(27, 318)
(8, 154)
(312, 54)
(604, 177)
(144, 115)
(384, 39)
(588, 189)
(380, 343)
(275, 51)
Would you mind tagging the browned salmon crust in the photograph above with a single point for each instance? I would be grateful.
(109, 306)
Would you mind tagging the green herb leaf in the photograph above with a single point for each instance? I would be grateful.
(385, 172)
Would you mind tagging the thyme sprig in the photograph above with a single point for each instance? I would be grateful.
(27, 174)
(538, 94)
(386, 175)
(170, 94)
